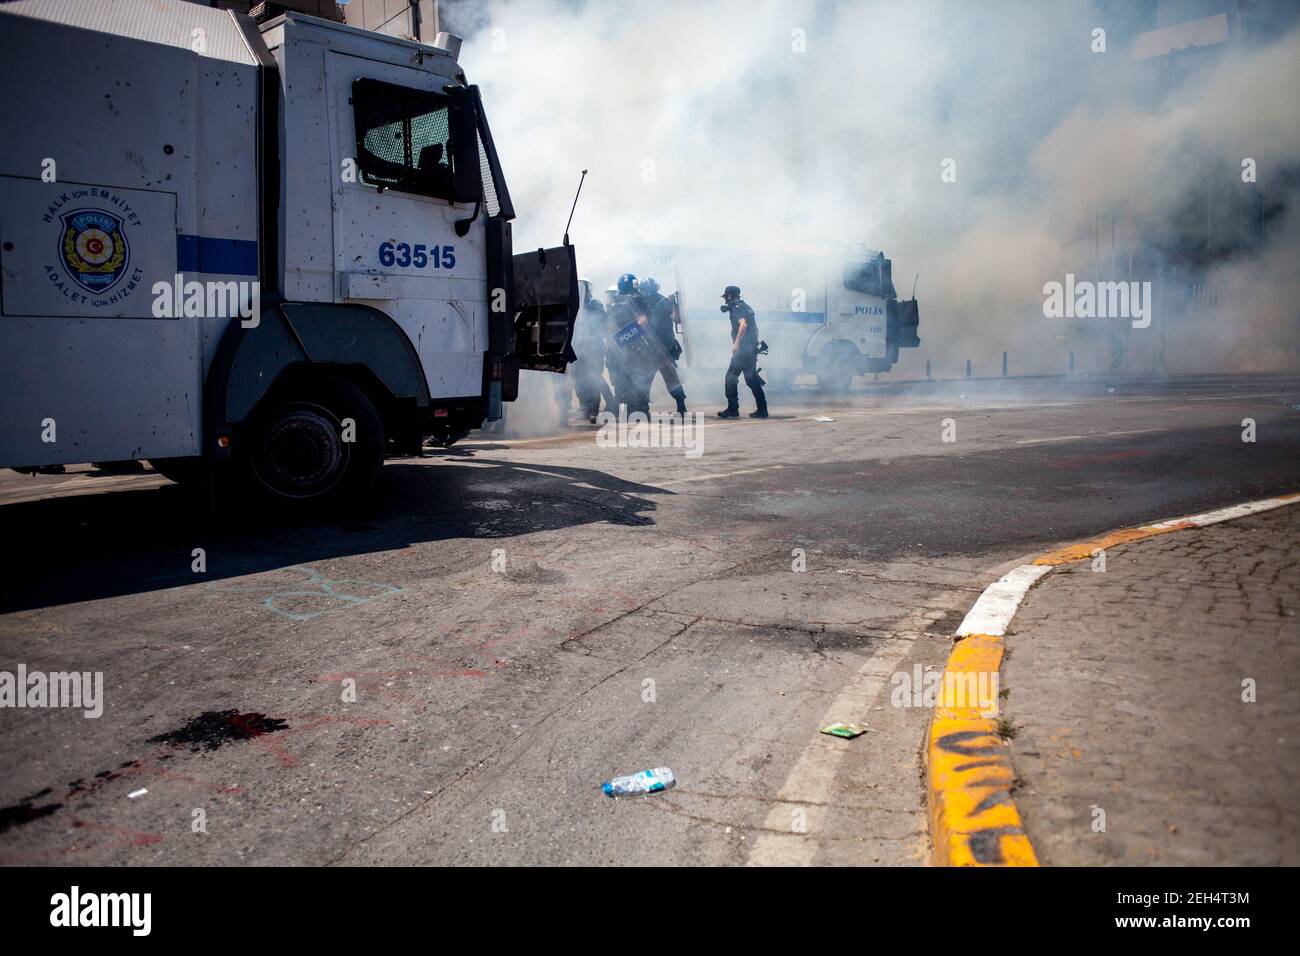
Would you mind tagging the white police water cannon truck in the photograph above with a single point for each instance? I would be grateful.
(829, 312)
(265, 254)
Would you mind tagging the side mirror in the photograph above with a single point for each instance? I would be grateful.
(467, 175)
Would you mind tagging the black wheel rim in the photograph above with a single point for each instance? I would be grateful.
(301, 453)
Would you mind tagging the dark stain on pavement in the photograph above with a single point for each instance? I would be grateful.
(26, 810)
(212, 729)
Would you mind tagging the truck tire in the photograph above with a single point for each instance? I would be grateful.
(835, 370)
(294, 458)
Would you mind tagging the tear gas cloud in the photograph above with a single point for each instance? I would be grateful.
(775, 126)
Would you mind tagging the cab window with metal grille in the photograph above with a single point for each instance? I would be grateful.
(414, 141)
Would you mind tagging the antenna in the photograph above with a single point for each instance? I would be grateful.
(917, 276)
(575, 206)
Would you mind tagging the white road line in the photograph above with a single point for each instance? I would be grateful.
(812, 780)
(1039, 441)
(1128, 431)
(996, 607)
(1230, 398)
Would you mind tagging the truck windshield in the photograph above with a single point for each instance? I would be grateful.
(872, 277)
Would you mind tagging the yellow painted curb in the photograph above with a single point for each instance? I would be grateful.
(972, 815)
(973, 818)
(969, 777)
(1084, 549)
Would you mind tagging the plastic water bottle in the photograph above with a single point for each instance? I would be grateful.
(647, 781)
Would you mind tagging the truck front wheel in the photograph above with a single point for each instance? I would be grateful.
(313, 446)
(835, 370)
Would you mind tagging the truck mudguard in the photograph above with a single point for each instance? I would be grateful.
(249, 360)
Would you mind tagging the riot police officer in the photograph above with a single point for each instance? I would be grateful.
(640, 350)
(589, 331)
(621, 314)
(744, 355)
(660, 310)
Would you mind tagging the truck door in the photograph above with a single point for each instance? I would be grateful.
(546, 304)
(396, 242)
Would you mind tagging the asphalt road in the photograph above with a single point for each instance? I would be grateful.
(648, 614)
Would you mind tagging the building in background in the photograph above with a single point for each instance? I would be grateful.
(403, 18)
(416, 19)
(1217, 221)
(1180, 36)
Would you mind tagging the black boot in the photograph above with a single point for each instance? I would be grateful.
(760, 412)
(679, 394)
(733, 399)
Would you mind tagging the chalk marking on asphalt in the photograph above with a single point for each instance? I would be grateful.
(969, 777)
(725, 474)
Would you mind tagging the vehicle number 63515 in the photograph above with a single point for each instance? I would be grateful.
(404, 255)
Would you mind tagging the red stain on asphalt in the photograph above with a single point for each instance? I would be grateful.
(303, 723)
(132, 837)
(146, 770)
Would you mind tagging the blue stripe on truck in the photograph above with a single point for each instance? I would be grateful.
(763, 315)
(223, 257)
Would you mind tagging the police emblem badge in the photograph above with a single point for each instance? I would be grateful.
(94, 249)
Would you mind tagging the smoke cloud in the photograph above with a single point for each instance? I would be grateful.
(792, 125)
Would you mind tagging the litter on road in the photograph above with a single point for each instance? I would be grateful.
(647, 781)
(847, 731)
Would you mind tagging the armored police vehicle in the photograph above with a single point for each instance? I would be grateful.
(267, 252)
(831, 313)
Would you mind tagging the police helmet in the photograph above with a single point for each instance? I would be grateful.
(731, 292)
(648, 286)
(626, 284)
